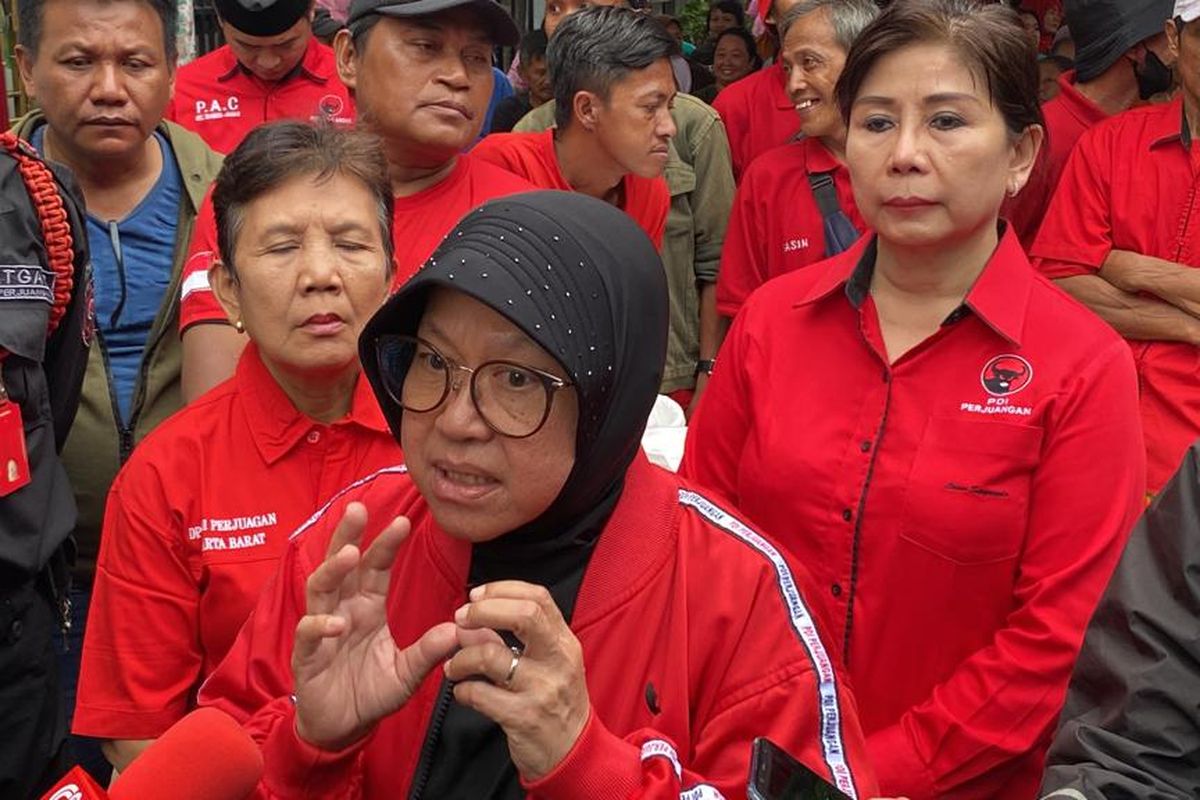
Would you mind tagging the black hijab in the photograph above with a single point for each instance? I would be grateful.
(583, 281)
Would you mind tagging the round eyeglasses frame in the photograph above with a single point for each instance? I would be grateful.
(551, 383)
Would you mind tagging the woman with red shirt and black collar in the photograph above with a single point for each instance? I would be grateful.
(198, 517)
(946, 441)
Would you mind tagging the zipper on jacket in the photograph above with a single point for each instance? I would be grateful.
(124, 432)
(425, 763)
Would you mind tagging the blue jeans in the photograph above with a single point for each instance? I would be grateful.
(82, 750)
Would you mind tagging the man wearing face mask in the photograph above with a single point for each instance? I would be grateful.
(1122, 235)
(1119, 49)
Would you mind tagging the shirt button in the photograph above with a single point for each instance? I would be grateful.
(836, 590)
(865, 446)
(314, 437)
(886, 376)
(847, 514)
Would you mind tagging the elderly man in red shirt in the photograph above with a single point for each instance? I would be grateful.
(426, 97)
(1123, 236)
(270, 68)
(1120, 46)
(795, 206)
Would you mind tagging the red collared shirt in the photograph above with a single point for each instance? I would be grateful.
(776, 225)
(195, 525)
(532, 156)
(220, 100)
(961, 509)
(758, 115)
(419, 223)
(1068, 116)
(1133, 183)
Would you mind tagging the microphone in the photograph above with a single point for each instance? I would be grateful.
(75, 785)
(204, 756)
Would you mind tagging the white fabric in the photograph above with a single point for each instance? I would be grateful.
(1187, 10)
(665, 432)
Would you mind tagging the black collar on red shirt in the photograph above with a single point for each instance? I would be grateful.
(998, 297)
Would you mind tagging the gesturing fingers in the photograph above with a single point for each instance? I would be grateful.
(376, 569)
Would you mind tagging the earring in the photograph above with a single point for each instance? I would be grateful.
(239, 327)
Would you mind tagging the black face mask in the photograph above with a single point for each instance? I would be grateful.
(1154, 77)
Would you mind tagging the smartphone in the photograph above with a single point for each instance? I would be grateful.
(775, 775)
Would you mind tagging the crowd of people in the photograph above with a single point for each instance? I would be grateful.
(328, 359)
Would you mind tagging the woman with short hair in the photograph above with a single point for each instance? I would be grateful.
(944, 439)
(735, 56)
(646, 635)
(198, 517)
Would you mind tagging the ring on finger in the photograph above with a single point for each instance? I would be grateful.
(512, 667)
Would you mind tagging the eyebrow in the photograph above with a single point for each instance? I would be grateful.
(931, 100)
(515, 339)
(436, 25)
(296, 228)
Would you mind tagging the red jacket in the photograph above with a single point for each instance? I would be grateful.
(961, 508)
(679, 595)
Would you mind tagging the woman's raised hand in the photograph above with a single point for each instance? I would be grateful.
(348, 671)
(537, 695)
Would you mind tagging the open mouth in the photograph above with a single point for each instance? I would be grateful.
(805, 105)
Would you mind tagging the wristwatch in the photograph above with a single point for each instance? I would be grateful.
(705, 365)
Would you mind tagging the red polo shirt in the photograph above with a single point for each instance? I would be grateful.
(195, 525)
(532, 156)
(1133, 183)
(758, 115)
(1068, 116)
(776, 225)
(949, 503)
(220, 100)
(419, 223)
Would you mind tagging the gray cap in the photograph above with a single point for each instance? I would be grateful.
(1104, 30)
(495, 17)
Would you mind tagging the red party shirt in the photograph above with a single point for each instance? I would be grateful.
(758, 115)
(1133, 183)
(195, 524)
(220, 100)
(961, 508)
(419, 223)
(532, 156)
(1068, 116)
(776, 225)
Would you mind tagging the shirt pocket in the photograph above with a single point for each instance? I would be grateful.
(967, 498)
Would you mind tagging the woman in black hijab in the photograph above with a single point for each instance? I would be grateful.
(526, 540)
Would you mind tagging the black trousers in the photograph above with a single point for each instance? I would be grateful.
(33, 724)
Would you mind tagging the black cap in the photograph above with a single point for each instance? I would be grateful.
(262, 17)
(1104, 30)
(495, 17)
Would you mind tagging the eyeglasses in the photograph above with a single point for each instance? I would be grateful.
(514, 400)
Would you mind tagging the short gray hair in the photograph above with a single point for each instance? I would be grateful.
(848, 17)
(597, 47)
